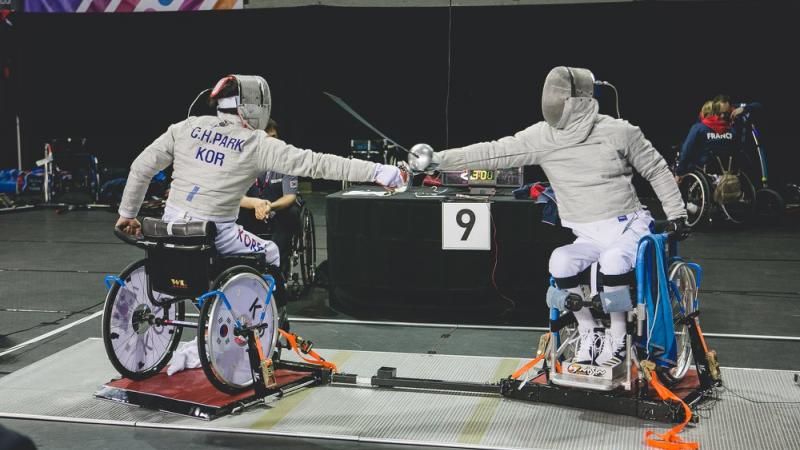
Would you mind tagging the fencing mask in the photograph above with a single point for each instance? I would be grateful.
(253, 102)
(561, 84)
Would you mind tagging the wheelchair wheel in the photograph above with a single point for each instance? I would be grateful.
(223, 355)
(307, 248)
(744, 207)
(135, 345)
(683, 296)
(769, 204)
(696, 193)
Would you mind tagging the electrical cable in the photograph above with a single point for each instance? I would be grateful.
(724, 389)
(616, 94)
(189, 112)
(449, 74)
(494, 268)
(54, 322)
(616, 99)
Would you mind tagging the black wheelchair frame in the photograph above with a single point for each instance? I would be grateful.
(182, 264)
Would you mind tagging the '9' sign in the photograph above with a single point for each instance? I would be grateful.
(466, 226)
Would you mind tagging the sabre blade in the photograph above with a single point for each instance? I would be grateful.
(358, 117)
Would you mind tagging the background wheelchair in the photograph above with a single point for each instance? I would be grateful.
(300, 272)
(144, 310)
(701, 192)
(661, 275)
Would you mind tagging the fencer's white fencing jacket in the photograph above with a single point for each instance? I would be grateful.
(589, 163)
(216, 159)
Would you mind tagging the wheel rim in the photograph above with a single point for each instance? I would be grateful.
(227, 353)
(694, 193)
(682, 277)
(139, 343)
(308, 249)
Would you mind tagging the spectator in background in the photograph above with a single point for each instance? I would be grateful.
(273, 197)
(715, 132)
(706, 110)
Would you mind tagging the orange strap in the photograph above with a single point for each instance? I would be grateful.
(527, 366)
(260, 350)
(700, 333)
(315, 358)
(670, 440)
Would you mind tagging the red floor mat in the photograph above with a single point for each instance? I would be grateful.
(191, 385)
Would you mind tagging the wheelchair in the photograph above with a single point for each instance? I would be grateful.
(700, 191)
(144, 312)
(300, 272)
(661, 275)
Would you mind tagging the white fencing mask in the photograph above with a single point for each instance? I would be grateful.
(561, 84)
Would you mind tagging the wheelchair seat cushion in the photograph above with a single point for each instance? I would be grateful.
(183, 233)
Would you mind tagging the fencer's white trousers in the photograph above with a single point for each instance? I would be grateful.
(231, 239)
(612, 243)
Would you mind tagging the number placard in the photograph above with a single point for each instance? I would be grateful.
(466, 226)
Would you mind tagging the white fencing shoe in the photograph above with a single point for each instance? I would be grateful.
(612, 351)
(588, 345)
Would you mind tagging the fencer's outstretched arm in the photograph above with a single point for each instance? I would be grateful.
(504, 153)
(641, 154)
(279, 156)
(156, 157)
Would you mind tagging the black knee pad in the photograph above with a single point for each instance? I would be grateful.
(584, 277)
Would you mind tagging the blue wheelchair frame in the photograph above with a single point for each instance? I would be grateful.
(655, 331)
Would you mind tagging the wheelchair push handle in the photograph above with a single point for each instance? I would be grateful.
(127, 238)
(662, 227)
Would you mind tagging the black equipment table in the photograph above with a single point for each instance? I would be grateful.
(385, 257)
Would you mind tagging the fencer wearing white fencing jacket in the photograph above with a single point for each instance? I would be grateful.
(216, 160)
(588, 157)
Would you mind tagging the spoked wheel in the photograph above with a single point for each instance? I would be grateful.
(683, 296)
(223, 354)
(769, 204)
(696, 194)
(744, 207)
(307, 248)
(137, 346)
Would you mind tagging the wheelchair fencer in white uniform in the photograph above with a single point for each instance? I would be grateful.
(589, 159)
(198, 247)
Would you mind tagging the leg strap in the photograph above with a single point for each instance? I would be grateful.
(625, 279)
(584, 277)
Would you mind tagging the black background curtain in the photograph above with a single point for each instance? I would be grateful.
(121, 79)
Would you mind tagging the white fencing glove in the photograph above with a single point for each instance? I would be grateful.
(388, 176)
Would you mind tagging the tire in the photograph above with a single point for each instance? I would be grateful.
(307, 248)
(223, 356)
(119, 322)
(696, 191)
(682, 277)
(769, 204)
(744, 208)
